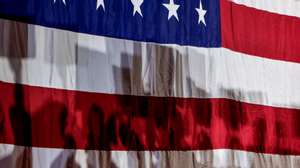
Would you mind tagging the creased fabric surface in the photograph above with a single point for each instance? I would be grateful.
(119, 98)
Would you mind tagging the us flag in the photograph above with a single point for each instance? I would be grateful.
(149, 83)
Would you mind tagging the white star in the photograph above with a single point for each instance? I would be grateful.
(137, 6)
(172, 9)
(100, 3)
(64, 1)
(201, 12)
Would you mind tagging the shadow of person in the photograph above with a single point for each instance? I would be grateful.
(96, 129)
(236, 118)
(56, 127)
(20, 119)
(97, 138)
(14, 47)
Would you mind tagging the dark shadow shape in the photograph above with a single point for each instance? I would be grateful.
(14, 47)
(260, 129)
(96, 128)
(58, 123)
(236, 118)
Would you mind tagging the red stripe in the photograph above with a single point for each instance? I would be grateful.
(44, 117)
(260, 33)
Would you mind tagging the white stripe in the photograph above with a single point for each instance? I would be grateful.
(11, 155)
(286, 7)
(68, 60)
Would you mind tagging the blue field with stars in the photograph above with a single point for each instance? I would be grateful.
(182, 22)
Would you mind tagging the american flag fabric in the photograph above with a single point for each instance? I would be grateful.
(150, 83)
